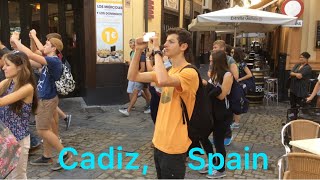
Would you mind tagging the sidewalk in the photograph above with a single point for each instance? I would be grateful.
(95, 129)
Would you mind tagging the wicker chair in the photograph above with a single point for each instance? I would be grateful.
(300, 166)
(300, 129)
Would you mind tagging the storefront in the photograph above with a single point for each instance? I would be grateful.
(287, 43)
(47, 16)
(97, 83)
(170, 17)
(95, 34)
(290, 42)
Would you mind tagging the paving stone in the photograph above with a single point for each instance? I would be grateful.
(95, 129)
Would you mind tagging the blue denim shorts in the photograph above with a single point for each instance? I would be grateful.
(134, 85)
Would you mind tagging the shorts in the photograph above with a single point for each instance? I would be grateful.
(134, 86)
(145, 85)
(318, 93)
(45, 111)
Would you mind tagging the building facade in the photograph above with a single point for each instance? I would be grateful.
(79, 22)
(290, 42)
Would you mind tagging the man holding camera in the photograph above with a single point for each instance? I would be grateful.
(170, 138)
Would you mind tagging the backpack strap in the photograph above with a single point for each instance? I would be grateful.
(185, 115)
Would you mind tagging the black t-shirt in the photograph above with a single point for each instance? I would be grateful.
(142, 58)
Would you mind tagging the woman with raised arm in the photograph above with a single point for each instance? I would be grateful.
(48, 99)
(18, 99)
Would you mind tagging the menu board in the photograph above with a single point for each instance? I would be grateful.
(318, 35)
(109, 28)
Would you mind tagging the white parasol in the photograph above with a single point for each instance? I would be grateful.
(240, 19)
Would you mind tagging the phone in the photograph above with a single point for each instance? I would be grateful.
(148, 35)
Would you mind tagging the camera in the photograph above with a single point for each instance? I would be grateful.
(148, 35)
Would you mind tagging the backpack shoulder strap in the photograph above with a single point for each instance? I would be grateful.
(195, 68)
(185, 115)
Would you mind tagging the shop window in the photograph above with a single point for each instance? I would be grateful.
(53, 20)
(35, 16)
(170, 21)
(70, 31)
(14, 14)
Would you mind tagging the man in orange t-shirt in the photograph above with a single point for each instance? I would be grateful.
(170, 138)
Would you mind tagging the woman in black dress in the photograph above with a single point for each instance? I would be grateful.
(300, 75)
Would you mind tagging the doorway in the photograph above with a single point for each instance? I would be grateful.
(48, 16)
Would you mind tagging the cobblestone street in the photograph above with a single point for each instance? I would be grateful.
(96, 129)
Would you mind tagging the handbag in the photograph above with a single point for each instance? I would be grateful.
(9, 151)
(250, 84)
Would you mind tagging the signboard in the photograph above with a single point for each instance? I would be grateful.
(318, 35)
(292, 8)
(298, 23)
(187, 8)
(171, 5)
(109, 31)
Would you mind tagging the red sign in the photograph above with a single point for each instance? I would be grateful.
(292, 8)
(150, 9)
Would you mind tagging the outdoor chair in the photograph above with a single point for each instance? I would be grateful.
(299, 166)
(299, 129)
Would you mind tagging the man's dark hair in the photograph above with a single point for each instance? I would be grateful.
(2, 53)
(184, 36)
(228, 49)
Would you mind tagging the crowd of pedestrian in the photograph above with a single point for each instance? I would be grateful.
(167, 86)
(158, 73)
(21, 97)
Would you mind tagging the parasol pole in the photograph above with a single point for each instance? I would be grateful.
(234, 35)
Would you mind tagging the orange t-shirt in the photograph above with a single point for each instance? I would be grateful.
(170, 134)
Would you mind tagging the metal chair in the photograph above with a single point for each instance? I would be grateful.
(271, 92)
(299, 129)
(299, 166)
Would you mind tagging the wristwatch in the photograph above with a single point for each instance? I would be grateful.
(157, 52)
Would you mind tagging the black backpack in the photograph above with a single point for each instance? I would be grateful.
(239, 104)
(250, 85)
(200, 125)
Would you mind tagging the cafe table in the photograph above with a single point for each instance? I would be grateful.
(310, 145)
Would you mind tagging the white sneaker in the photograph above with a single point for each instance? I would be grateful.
(204, 170)
(234, 125)
(216, 174)
(124, 112)
(147, 111)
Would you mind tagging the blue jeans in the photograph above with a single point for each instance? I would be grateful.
(34, 140)
(169, 166)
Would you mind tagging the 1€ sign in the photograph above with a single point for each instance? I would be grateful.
(110, 35)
